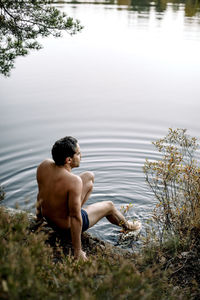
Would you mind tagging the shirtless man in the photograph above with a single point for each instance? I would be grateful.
(62, 194)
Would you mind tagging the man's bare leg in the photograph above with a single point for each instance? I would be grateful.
(107, 209)
(88, 181)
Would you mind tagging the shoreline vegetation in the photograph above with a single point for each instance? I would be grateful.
(37, 262)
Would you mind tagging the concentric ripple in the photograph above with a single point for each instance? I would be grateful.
(116, 159)
(115, 156)
(116, 87)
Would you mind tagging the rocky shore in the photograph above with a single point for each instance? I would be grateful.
(57, 239)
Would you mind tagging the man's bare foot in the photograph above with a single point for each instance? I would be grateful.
(133, 225)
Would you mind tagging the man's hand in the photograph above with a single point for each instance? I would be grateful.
(80, 254)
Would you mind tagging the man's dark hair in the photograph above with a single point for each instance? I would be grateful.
(65, 147)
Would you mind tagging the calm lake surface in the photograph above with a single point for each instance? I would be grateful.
(133, 72)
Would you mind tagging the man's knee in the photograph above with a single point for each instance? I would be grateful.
(87, 176)
(88, 181)
(110, 206)
(90, 176)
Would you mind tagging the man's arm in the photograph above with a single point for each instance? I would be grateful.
(75, 216)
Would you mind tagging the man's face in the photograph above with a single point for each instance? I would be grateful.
(76, 158)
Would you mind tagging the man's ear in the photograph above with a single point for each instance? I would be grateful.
(68, 160)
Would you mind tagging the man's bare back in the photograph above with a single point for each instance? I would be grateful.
(54, 185)
(62, 194)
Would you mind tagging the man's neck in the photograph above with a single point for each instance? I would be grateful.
(68, 168)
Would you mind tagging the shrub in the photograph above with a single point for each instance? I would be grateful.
(30, 270)
(175, 182)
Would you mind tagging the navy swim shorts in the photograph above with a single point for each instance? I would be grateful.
(85, 219)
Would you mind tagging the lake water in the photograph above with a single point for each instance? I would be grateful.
(133, 72)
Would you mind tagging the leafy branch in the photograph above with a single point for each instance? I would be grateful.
(22, 22)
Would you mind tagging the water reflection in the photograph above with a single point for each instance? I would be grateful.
(117, 86)
(191, 7)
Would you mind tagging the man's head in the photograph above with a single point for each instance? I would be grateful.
(66, 150)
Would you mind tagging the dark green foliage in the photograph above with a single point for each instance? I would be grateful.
(22, 22)
(28, 270)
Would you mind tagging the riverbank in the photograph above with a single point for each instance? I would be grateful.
(36, 263)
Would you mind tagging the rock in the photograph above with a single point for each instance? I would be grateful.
(163, 260)
(184, 254)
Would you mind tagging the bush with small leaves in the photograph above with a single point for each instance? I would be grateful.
(175, 182)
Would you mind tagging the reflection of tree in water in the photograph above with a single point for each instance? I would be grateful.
(141, 5)
(192, 7)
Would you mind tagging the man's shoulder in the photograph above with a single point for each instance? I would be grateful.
(43, 166)
(75, 179)
(74, 182)
(45, 163)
